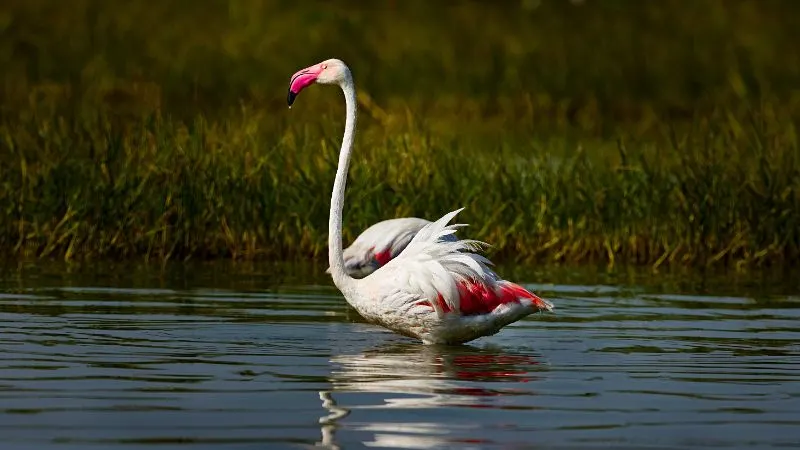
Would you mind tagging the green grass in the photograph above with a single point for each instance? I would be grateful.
(644, 132)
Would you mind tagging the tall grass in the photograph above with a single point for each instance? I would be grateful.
(647, 132)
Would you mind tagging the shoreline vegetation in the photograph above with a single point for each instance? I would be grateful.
(652, 133)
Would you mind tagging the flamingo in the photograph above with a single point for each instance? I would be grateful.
(437, 290)
(381, 243)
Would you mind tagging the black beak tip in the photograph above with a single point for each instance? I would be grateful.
(290, 98)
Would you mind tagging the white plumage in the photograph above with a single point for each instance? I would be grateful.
(380, 243)
(409, 285)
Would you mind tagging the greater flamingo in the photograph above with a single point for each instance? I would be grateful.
(381, 243)
(436, 290)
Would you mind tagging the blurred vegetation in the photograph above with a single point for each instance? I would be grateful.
(660, 132)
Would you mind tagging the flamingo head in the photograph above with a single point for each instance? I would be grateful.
(331, 71)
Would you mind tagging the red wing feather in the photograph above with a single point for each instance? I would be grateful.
(477, 298)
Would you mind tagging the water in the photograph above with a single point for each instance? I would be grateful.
(242, 356)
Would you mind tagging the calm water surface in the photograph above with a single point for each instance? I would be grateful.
(248, 356)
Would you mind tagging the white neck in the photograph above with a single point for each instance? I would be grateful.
(335, 256)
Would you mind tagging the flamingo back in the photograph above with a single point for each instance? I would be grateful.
(380, 243)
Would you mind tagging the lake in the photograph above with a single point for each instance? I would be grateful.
(227, 355)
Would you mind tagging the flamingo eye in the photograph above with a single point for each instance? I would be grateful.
(324, 66)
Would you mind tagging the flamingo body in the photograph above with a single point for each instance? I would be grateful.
(437, 289)
(440, 292)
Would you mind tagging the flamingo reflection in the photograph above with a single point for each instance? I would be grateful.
(420, 377)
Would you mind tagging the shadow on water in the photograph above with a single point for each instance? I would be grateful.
(205, 355)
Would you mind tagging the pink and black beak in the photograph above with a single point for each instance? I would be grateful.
(302, 80)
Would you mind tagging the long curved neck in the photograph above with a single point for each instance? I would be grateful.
(335, 255)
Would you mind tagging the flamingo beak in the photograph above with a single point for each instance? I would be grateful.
(301, 80)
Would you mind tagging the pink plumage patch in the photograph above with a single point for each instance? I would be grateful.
(383, 257)
(477, 298)
(517, 292)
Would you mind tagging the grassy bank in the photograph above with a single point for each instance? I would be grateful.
(649, 132)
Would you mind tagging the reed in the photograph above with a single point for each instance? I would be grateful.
(644, 132)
